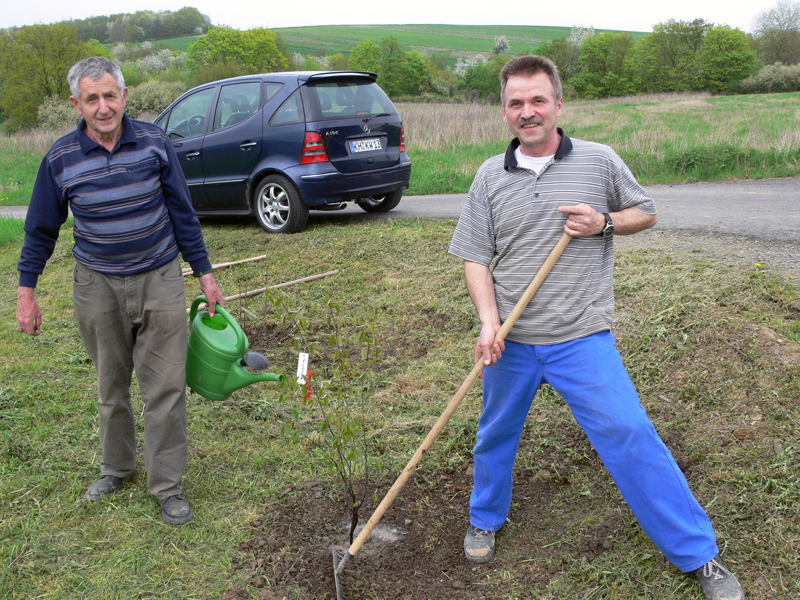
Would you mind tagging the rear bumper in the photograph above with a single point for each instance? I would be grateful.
(329, 187)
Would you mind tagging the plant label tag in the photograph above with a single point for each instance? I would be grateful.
(302, 367)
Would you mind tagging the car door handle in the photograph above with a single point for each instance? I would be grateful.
(192, 155)
(248, 145)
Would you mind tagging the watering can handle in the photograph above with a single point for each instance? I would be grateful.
(241, 339)
(193, 310)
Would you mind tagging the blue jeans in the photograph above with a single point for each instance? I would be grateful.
(589, 374)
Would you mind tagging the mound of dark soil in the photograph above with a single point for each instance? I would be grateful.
(291, 543)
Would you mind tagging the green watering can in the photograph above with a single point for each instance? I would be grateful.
(218, 353)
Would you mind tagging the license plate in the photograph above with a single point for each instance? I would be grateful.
(365, 145)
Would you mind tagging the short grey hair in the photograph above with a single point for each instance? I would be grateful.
(94, 67)
(528, 66)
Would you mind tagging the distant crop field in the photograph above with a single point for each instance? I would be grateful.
(178, 44)
(452, 41)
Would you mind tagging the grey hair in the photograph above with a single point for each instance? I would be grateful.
(529, 66)
(94, 67)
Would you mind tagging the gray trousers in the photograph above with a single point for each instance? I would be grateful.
(138, 322)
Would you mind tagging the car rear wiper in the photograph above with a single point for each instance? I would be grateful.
(383, 114)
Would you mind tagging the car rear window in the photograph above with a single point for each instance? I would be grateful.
(343, 99)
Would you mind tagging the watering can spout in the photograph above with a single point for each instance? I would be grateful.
(239, 378)
(218, 353)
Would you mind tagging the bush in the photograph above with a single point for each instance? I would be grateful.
(160, 61)
(218, 70)
(133, 76)
(153, 96)
(772, 79)
(57, 114)
(482, 78)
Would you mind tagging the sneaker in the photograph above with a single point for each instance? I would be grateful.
(107, 485)
(479, 545)
(717, 582)
(176, 510)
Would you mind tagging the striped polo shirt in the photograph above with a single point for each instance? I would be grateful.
(131, 206)
(511, 222)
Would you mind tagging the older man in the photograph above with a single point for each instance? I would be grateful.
(133, 215)
(518, 207)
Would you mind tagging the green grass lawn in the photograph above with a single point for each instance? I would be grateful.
(692, 333)
(18, 172)
(11, 231)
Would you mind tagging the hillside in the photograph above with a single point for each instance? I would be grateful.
(450, 41)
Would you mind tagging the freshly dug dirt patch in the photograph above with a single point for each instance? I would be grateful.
(291, 543)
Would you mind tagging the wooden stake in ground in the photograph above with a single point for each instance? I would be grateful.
(188, 271)
(272, 287)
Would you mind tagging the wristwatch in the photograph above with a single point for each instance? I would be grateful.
(608, 229)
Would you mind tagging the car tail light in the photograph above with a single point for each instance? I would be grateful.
(314, 149)
(402, 139)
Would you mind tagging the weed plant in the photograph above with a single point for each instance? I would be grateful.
(712, 349)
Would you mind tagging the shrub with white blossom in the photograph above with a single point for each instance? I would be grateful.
(153, 96)
(500, 45)
(57, 114)
(579, 34)
(462, 64)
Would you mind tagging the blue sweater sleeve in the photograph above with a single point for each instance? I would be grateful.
(47, 212)
(186, 225)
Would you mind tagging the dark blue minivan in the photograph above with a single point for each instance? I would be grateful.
(280, 144)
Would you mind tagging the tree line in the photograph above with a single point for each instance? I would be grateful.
(677, 56)
(143, 25)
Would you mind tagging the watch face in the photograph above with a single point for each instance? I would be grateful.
(609, 228)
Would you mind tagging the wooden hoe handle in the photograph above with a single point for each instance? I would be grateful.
(453, 405)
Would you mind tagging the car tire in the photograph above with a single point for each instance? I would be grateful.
(383, 203)
(278, 206)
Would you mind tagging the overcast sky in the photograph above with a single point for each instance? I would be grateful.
(629, 15)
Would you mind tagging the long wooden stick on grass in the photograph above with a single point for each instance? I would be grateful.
(272, 287)
(188, 271)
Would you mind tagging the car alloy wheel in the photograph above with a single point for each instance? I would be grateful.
(278, 206)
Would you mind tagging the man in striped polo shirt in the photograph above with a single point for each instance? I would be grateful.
(519, 205)
(133, 215)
